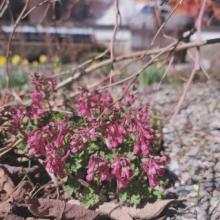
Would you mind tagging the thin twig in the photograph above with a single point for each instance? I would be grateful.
(165, 22)
(199, 19)
(35, 7)
(135, 75)
(201, 67)
(5, 150)
(135, 55)
(83, 65)
(11, 37)
(196, 62)
(166, 71)
(116, 27)
(186, 89)
(3, 7)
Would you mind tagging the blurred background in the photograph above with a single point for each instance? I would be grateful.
(56, 34)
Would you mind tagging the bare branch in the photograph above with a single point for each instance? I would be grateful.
(11, 37)
(34, 7)
(135, 55)
(116, 27)
(196, 61)
(165, 22)
(186, 88)
(3, 7)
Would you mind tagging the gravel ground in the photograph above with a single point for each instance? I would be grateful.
(193, 143)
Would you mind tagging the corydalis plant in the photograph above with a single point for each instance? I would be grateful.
(107, 143)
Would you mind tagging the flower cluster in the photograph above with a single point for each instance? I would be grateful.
(18, 115)
(117, 126)
(92, 103)
(115, 138)
(139, 125)
(99, 166)
(154, 168)
(120, 169)
(115, 135)
(43, 88)
(50, 141)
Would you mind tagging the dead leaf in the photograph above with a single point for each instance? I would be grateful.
(132, 211)
(153, 210)
(60, 210)
(41, 208)
(73, 202)
(13, 170)
(6, 185)
(77, 212)
(115, 211)
(13, 217)
(5, 208)
(15, 196)
(51, 208)
(46, 208)
(22, 191)
(150, 210)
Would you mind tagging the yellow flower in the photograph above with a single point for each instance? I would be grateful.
(43, 59)
(25, 62)
(16, 59)
(3, 60)
(34, 63)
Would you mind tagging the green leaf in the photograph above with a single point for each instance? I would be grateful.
(21, 146)
(110, 157)
(135, 199)
(152, 74)
(157, 194)
(58, 116)
(131, 155)
(136, 171)
(70, 189)
(25, 120)
(123, 196)
(92, 147)
(76, 164)
(90, 199)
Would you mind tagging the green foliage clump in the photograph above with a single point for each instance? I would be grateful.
(151, 75)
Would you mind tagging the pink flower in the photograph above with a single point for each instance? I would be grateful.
(37, 82)
(91, 104)
(44, 83)
(106, 99)
(36, 97)
(51, 82)
(18, 115)
(62, 130)
(121, 169)
(154, 168)
(55, 165)
(37, 109)
(139, 124)
(98, 166)
(36, 142)
(129, 98)
(92, 133)
(115, 135)
(75, 144)
(143, 142)
(49, 141)
(84, 111)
